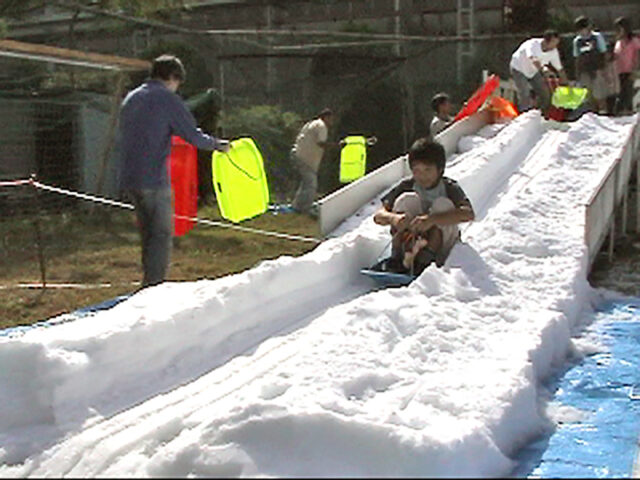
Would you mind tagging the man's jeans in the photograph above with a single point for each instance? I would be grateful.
(524, 85)
(308, 188)
(154, 212)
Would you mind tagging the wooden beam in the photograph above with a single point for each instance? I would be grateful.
(64, 55)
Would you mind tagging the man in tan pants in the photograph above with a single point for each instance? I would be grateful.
(306, 155)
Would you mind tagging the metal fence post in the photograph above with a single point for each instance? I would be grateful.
(636, 156)
(612, 231)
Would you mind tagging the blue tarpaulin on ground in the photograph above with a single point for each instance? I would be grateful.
(82, 312)
(602, 441)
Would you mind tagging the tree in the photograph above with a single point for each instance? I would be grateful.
(140, 8)
(17, 9)
(529, 15)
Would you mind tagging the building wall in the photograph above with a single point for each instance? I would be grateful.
(304, 81)
(61, 141)
(17, 139)
(93, 125)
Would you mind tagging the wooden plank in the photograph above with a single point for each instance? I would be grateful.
(31, 50)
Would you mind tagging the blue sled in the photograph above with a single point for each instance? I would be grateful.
(386, 278)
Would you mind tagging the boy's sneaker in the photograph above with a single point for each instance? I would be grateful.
(391, 265)
(422, 260)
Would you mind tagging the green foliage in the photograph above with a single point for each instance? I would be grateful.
(529, 15)
(274, 132)
(562, 21)
(142, 8)
(357, 27)
(15, 9)
(3, 28)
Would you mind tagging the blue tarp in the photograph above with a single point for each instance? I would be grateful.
(82, 312)
(602, 443)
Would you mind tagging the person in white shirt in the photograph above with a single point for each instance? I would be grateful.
(441, 106)
(526, 67)
(306, 155)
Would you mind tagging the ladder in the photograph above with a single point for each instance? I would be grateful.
(464, 22)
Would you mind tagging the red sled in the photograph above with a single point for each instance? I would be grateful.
(479, 96)
(184, 183)
(556, 113)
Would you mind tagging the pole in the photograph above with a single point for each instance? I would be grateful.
(397, 26)
(111, 132)
(269, 58)
(222, 85)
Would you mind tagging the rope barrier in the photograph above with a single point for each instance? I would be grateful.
(128, 206)
(14, 183)
(77, 286)
(82, 196)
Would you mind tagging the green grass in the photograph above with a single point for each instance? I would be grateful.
(99, 248)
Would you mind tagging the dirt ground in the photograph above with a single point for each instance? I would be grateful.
(92, 258)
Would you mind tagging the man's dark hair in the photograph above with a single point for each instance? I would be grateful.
(438, 99)
(168, 67)
(326, 112)
(581, 22)
(550, 34)
(427, 151)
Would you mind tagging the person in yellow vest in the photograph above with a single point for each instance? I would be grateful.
(306, 154)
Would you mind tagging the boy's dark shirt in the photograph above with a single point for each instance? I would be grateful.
(453, 190)
(590, 59)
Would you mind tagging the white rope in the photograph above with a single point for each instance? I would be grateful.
(78, 286)
(83, 196)
(115, 203)
(14, 183)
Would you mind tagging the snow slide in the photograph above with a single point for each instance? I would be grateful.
(289, 369)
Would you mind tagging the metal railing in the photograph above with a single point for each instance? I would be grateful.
(611, 192)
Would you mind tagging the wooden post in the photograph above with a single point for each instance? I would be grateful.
(612, 237)
(39, 244)
(625, 195)
(40, 248)
(637, 192)
(221, 84)
(612, 231)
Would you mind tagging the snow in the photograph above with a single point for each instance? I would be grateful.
(298, 367)
(469, 142)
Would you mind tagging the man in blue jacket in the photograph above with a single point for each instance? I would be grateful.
(150, 115)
